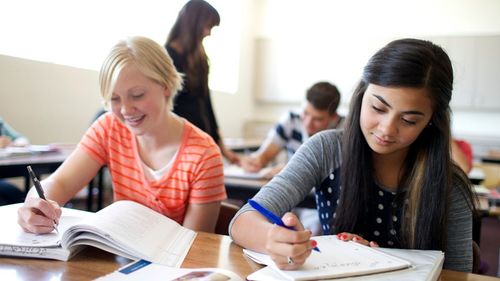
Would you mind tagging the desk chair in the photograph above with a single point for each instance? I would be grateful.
(98, 183)
(476, 257)
(226, 214)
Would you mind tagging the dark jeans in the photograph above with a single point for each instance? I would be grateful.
(10, 194)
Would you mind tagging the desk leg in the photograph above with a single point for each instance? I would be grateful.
(100, 191)
(100, 187)
(90, 195)
(498, 268)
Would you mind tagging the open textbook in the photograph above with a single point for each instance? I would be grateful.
(143, 270)
(352, 261)
(124, 228)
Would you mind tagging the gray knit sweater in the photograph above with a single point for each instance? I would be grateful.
(317, 158)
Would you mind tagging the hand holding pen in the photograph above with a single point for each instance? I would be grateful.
(39, 189)
(271, 217)
(290, 262)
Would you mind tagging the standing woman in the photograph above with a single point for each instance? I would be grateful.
(185, 45)
(388, 179)
(155, 157)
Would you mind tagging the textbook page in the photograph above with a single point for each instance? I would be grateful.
(426, 266)
(143, 270)
(14, 241)
(132, 230)
(339, 259)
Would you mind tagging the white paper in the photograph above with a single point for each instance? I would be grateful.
(426, 265)
(339, 259)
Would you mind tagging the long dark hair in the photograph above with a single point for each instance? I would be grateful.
(429, 173)
(193, 18)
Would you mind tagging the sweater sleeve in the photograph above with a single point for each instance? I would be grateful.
(308, 167)
(458, 255)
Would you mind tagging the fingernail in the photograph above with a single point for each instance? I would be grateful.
(314, 243)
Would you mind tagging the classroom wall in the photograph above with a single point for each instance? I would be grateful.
(55, 103)
(332, 40)
(71, 95)
(47, 102)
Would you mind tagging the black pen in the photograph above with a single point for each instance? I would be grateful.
(39, 189)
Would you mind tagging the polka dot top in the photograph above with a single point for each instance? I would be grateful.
(380, 224)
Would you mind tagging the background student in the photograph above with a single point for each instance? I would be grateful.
(185, 45)
(10, 137)
(154, 157)
(388, 179)
(9, 193)
(461, 153)
(293, 129)
(319, 113)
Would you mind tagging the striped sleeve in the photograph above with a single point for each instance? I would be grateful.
(94, 142)
(208, 177)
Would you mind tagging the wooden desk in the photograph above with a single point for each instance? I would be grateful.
(244, 189)
(47, 163)
(44, 163)
(495, 159)
(242, 145)
(476, 175)
(208, 250)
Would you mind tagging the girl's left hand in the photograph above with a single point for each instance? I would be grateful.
(231, 156)
(346, 236)
(5, 141)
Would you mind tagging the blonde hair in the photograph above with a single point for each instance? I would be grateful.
(148, 56)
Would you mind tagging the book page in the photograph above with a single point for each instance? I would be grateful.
(136, 230)
(13, 235)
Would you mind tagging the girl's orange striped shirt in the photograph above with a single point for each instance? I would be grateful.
(196, 174)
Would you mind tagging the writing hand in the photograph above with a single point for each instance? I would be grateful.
(37, 215)
(231, 156)
(4, 141)
(250, 164)
(288, 248)
(346, 236)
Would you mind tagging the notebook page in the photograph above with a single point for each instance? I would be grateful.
(340, 259)
(426, 266)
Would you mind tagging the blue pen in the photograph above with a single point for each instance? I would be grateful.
(272, 217)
